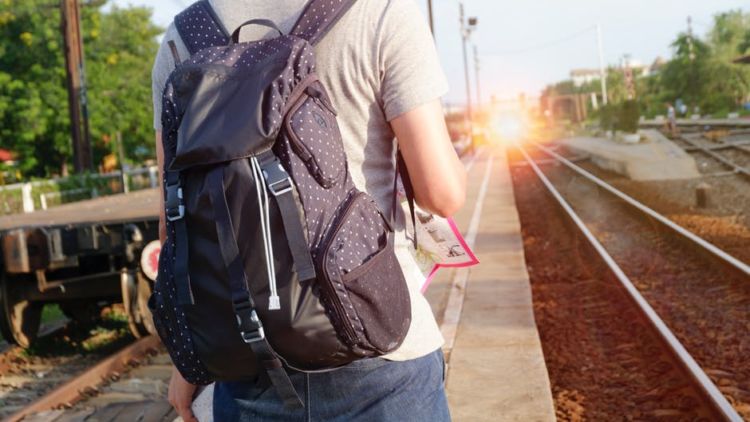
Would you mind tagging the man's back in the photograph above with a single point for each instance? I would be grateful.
(378, 62)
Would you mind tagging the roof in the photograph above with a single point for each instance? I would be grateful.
(584, 72)
(5, 155)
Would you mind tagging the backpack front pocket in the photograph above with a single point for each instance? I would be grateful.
(314, 135)
(367, 294)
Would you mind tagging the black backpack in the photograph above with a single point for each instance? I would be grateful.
(273, 258)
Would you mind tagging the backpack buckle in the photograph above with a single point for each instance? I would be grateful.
(175, 205)
(251, 330)
(277, 179)
(286, 186)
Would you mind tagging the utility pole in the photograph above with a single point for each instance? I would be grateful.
(76, 82)
(690, 38)
(691, 52)
(628, 76)
(466, 28)
(602, 71)
(476, 77)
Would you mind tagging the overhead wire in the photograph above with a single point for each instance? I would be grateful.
(543, 45)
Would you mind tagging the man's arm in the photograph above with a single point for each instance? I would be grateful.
(437, 174)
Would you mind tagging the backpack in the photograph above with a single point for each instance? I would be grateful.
(274, 260)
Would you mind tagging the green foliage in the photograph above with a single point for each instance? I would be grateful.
(119, 47)
(744, 45)
(700, 73)
(607, 117)
(728, 33)
(628, 115)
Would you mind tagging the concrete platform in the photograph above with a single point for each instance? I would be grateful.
(654, 158)
(496, 369)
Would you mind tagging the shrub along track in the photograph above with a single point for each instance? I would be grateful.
(605, 360)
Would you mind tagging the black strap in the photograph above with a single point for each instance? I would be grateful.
(409, 190)
(175, 53)
(250, 326)
(319, 17)
(277, 374)
(175, 212)
(262, 22)
(230, 252)
(281, 188)
(199, 27)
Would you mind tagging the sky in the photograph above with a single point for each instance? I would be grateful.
(524, 45)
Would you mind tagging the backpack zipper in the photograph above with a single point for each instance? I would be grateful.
(350, 333)
(298, 146)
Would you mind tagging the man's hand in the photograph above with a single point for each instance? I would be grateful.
(181, 395)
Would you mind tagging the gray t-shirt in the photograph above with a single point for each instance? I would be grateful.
(377, 63)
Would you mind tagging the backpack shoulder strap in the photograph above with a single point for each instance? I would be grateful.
(199, 27)
(319, 17)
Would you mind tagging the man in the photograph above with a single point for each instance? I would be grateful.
(671, 120)
(381, 69)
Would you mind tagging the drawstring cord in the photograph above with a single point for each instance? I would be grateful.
(265, 222)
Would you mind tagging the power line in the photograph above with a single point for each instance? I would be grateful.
(544, 45)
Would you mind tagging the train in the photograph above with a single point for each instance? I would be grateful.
(81, 256)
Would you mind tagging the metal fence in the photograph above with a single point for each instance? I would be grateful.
(43, 194)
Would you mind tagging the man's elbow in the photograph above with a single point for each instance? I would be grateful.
(447, 201)
(450, 206)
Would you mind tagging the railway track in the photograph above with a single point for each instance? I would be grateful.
(127, 385)
(62, 351)
(695, 296)
(727, 157)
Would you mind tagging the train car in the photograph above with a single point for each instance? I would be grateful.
(81, 256)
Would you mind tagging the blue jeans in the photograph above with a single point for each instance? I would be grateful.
(367, 390)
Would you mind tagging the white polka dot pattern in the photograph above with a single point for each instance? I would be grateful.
(318, 17)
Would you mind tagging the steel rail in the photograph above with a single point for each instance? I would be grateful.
(729, 259)
(715, 397)
(739, 145)
(718, 157)
(75, 388)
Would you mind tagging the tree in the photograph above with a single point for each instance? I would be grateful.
(119, 48)
(727, 34)
(685, 76)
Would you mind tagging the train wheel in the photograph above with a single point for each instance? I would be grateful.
(144, 292)
(135, 292)
(19, 318)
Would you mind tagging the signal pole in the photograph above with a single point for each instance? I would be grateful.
(602, 71)
(76, 82)
(466, 28)
(476, 77)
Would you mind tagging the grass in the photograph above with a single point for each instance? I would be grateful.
(51, 313)
(101, 337)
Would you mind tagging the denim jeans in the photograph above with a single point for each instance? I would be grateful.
(373, 389)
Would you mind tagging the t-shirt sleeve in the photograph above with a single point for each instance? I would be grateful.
(410, 70)
(163, 66)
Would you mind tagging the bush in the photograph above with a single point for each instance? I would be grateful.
(628, 116)
(607, 118)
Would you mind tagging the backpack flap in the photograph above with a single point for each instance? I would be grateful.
(229, 112)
